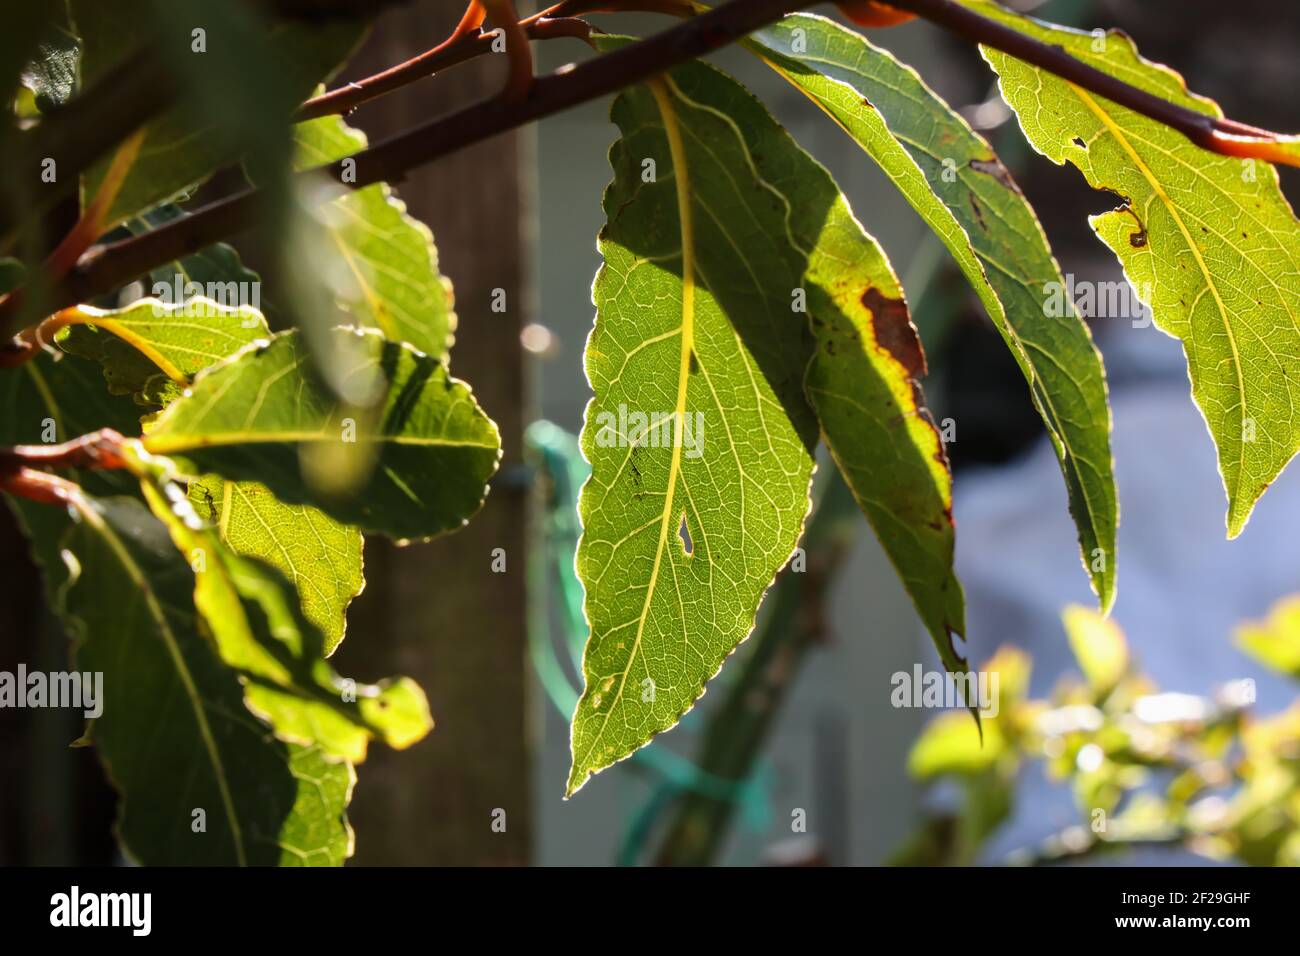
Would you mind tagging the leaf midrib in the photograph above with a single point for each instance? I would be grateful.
(681, 171)
(1118, 133)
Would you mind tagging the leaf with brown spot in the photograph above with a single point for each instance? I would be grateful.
(698, 315)
(957, 185)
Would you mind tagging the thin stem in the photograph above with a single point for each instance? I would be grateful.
(108, 267)
(40, 486)
(503, 15)
(91, 224)
(466, 42)
(100, 449)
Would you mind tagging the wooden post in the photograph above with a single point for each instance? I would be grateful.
(438, 612)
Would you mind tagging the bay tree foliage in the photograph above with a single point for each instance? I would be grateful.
(197, 461)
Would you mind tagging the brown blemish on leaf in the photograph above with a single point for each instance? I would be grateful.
(1137, 240)
(996, 170)
(895, 332)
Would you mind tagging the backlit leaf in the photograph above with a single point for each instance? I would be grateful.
(175, 735)
(153, 349)
(393, 282)
(1098, 645)
(724, 240)
(1275, 641)
(1207, 241)
(956, 183)
(414, 466)
(321, 557)
(51, 76)
(252, 613)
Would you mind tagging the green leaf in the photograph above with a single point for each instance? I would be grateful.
(1098, 645)
(664, 349)
(291, 806)
(152, 349)
(392, 282)
(413, 466)
(253, 615)
(864, 383)
(175, 735)
(957, 185)
(714, 266)
(952, 744)
(47, 401)
(52, 399)
(1207, 241)
(154, 352)
(1275, 642)
(30, 31)
(320, 556)
(238, 93)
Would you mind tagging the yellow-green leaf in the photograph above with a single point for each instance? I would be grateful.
(1275, 641)
(258, 629)
(153, 349)
(1098, 646)
(733, 270)
(956, 183)
(321, 557)
(393, 282)
(1208, 242)
(175, 736)
(413, 466)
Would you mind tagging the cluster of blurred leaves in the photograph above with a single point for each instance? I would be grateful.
(1146, 768)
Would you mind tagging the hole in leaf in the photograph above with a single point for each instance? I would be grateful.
(684, 533)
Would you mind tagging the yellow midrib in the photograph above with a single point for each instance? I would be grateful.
(1159, 190)
(682, 182)
(77, 316)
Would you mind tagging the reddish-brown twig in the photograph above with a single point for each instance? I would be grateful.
(1224, 136)
(100, 450)
(503, 15)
